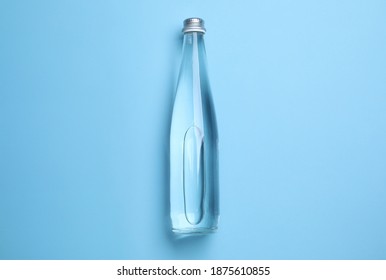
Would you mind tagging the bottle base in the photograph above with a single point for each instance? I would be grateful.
(193, 231)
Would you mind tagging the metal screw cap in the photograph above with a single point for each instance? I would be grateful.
(194, 25)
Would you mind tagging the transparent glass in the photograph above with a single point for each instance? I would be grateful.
(194, 184)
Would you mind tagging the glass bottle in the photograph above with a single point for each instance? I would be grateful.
(194, 184)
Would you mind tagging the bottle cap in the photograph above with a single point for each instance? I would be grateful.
(194, 25)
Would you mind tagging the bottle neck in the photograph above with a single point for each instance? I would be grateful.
(193, 40)
(194, 55)
(190, 36)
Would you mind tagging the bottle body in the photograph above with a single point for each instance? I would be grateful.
(194, 185)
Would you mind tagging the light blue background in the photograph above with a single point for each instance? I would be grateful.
(86, 91)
